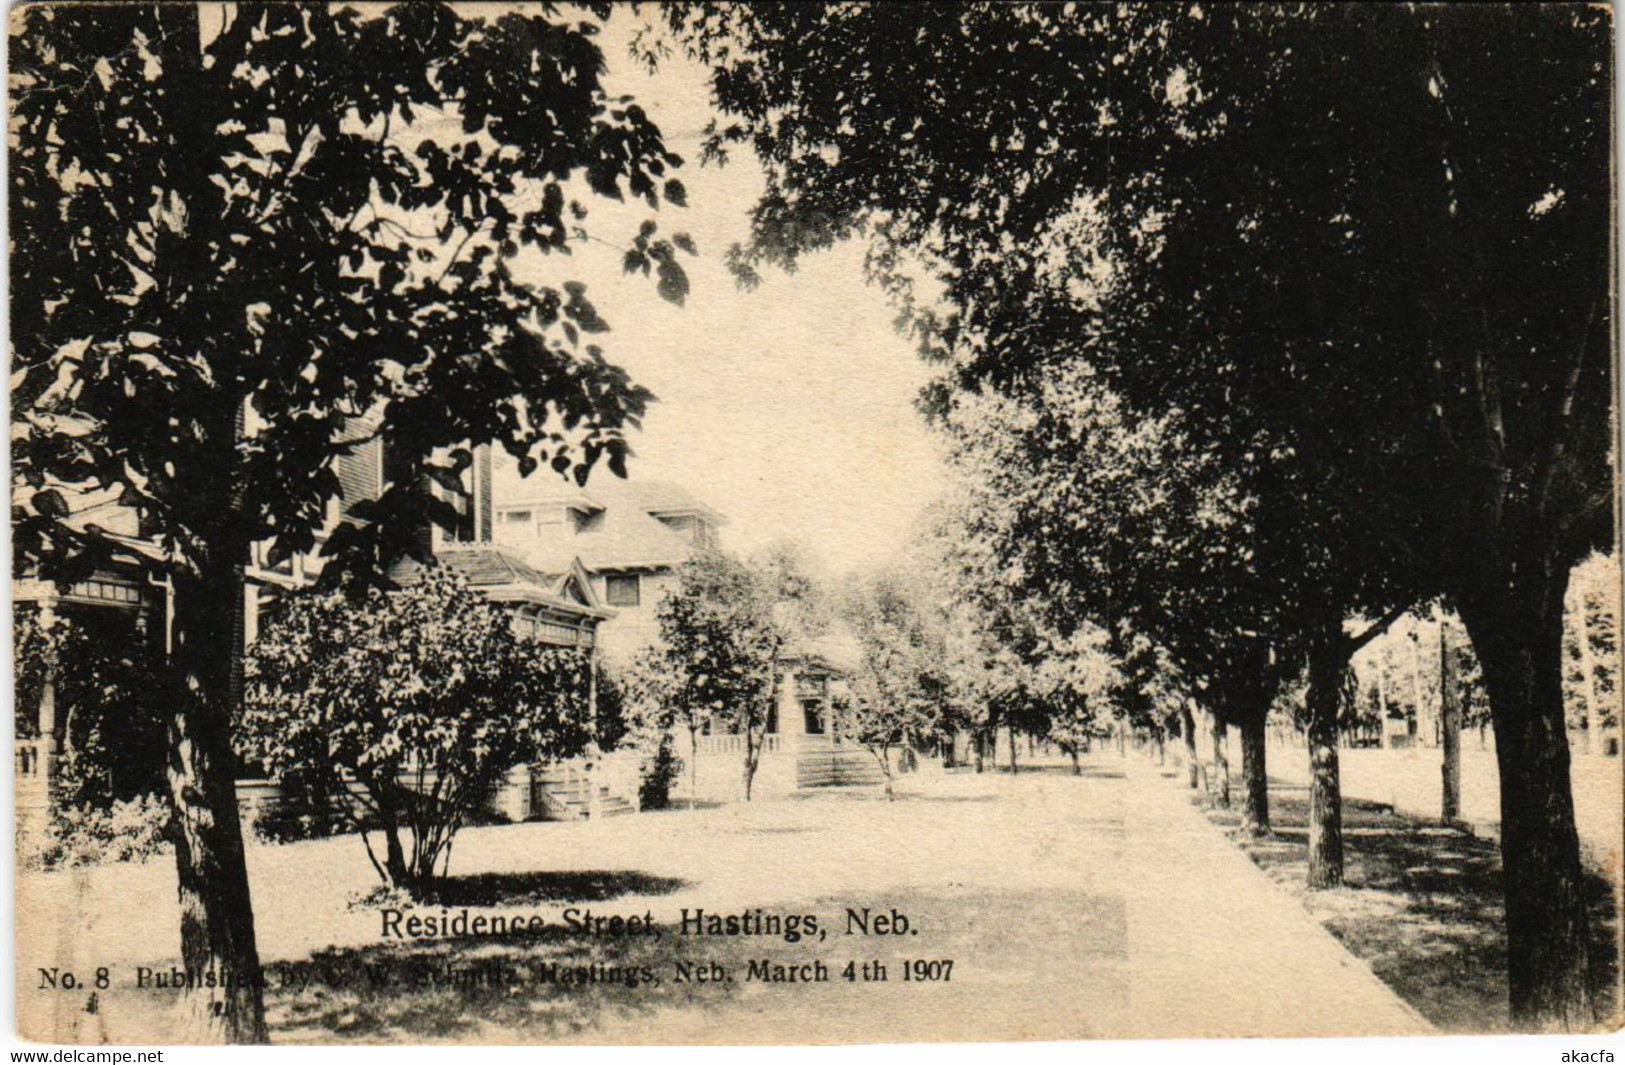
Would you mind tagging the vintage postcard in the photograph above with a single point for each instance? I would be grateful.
(814, 523)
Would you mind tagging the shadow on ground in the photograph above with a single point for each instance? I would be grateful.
(1421, 905)
(520, 889)
(559, 984)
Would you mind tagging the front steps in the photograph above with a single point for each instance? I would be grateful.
(825, 766)
(564, 793)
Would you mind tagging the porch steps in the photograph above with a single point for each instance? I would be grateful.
(561, 796)
(831, 766)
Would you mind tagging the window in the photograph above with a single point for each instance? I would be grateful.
(516, 517)
(622, 590)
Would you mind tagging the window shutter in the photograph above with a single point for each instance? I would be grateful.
(361, 471)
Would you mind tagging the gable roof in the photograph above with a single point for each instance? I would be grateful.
(505, 577)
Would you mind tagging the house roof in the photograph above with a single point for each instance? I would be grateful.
(835, 651)
(569, 497)
(505, 577)
(627, 535)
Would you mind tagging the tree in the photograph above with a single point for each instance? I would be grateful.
(1306, 201)
(231, 241)
(415, 703)
(900, 690)
(719, 650)
(652, 724)
(1327, 701)
(1591, 648)
(1076, 682)
(1092, 516)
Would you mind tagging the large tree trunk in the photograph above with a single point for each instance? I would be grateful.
(1328, 658)
(1221, 763)
(1187, 729)
(1011, 729)
(1255, 807)
(217, 917)
(1517, 629)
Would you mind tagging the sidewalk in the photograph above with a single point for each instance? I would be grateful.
(1218, 949)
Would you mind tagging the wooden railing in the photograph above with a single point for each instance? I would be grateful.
(735, 744)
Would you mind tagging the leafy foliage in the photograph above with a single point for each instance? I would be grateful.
(1359, 256)
(322, 215)
(651, 724)
(84, 834)
(719, 648)
(238, 231)
(109, 704)
(416, 702)
(900, 694)
(1591, 649)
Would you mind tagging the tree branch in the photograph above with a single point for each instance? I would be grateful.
(1354, 643)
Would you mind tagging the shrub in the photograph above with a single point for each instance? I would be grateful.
(129, 830)
(424, 698)
(657, 773)
(650, 726)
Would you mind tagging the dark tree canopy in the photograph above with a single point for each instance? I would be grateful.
(1361, 253)
(314, 215)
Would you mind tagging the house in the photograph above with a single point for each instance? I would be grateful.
(129, 599)
(631, 536)
(800, 747)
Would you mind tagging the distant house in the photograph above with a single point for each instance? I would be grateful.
(630, 535)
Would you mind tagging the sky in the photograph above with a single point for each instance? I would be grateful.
(788, 408)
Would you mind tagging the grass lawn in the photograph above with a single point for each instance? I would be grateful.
(1421, 905)
(1013, 881)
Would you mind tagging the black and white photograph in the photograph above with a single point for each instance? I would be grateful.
(761, 523)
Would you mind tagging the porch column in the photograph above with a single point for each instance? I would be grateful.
(251, 613)
(43, 769)
(792, 722)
